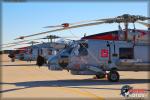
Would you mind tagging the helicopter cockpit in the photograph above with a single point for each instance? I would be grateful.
(74, 50)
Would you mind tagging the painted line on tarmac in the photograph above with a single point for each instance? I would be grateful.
(85, 93)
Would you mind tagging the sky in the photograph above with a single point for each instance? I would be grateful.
(28, 18)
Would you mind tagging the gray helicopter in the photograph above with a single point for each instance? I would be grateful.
(106, 53)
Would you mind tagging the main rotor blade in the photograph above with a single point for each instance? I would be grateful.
(14, 42)
(12, 45)
(73, 24)
(20, 41)
(145, 24)
(32, 42)
(125, 18)
(52, 26)
(61, 29)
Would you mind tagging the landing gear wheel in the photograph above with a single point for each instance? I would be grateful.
(40, 60)
(113, 76)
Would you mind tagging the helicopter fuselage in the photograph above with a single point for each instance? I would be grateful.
(97, 56)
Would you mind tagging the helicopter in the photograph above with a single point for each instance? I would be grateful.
(44, 49)
(22, 53)
(103, 54)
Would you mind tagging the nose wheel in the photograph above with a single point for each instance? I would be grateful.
(113, 76)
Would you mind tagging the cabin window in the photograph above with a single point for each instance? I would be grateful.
(126, 53)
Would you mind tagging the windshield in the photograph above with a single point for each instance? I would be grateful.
(66, 51)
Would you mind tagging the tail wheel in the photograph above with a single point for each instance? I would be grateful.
(113, 76)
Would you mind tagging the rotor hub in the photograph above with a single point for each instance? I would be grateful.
(127, 18)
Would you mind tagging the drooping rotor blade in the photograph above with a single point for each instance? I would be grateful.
(9, 46)
(61, 29)
(72, 24)
(21, 37)
(52, 26)
(126, 18)
(20, 42)
(119, 19)
(13, 45)
(70, 37)
(145, 24)
(53, 37)
(56, 37)
(32, 42)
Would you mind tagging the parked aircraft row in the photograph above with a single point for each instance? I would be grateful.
(102, 54)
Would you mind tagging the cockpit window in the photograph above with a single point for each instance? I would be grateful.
(69, 50)
(66, 51)
(83, 49)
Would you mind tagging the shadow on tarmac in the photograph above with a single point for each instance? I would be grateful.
(73, 84)
(19, 65)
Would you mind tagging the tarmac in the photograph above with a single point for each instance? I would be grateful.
(25, 80)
